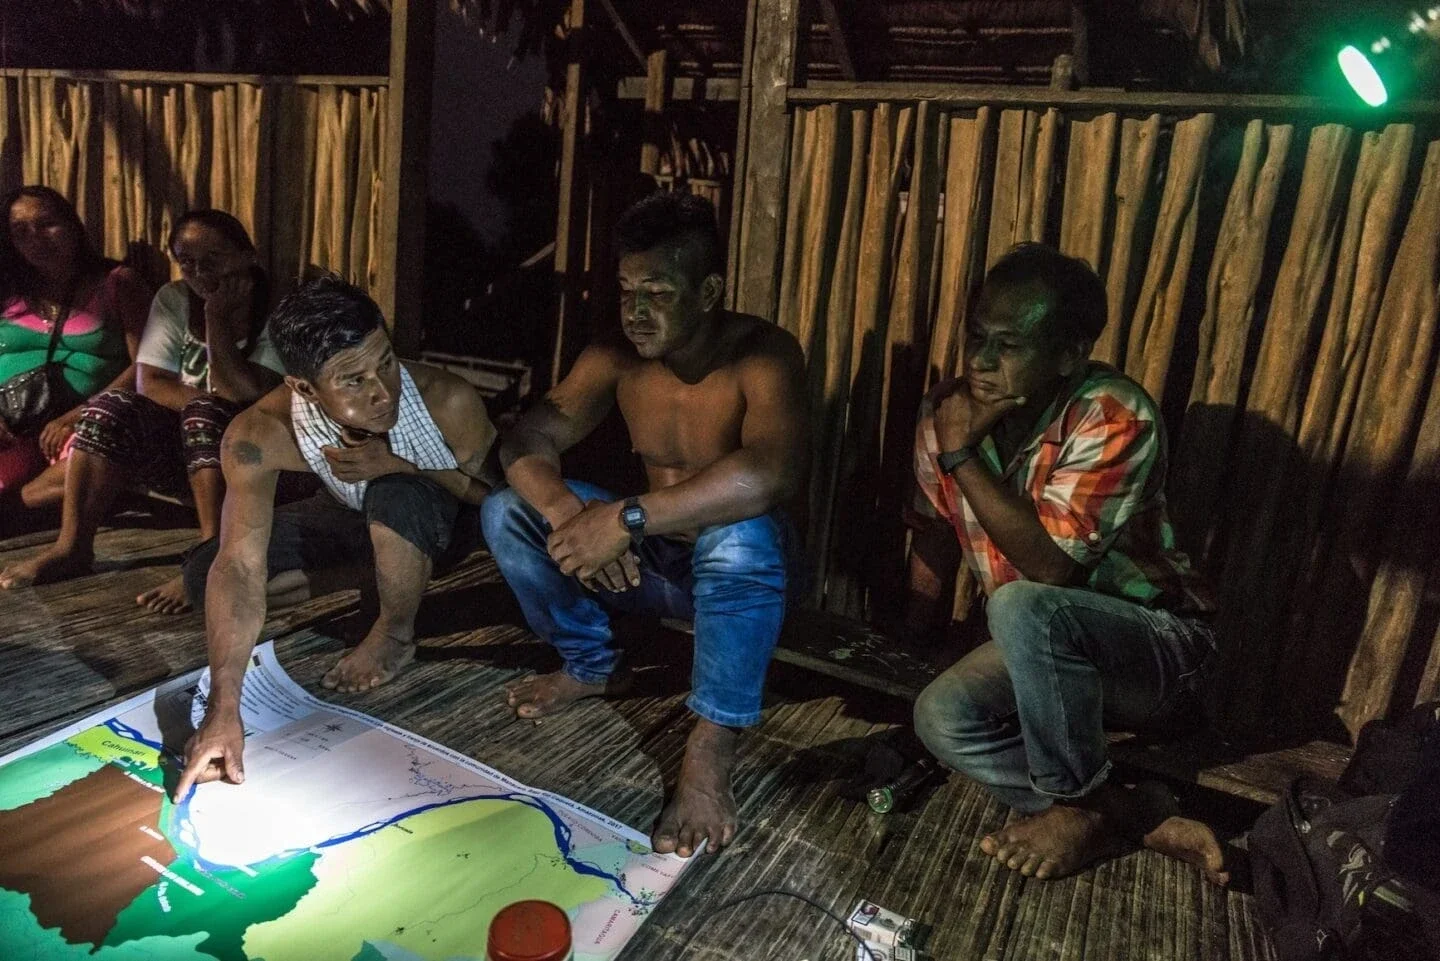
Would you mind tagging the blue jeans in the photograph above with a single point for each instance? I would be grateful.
(731, 582)
(1025, 713)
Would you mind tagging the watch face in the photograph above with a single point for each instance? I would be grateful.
(634, 516)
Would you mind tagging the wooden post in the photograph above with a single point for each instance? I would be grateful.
(400, 282)
(763, 155)
(656, 87)
(622, 28)
(570, 228)
(1080, 42)
(839, 33)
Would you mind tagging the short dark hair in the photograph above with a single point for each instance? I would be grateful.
(668, 217)
(219, 221)
(319, 320)
(1081, 306)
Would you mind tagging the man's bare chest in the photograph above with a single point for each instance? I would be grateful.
(674, 424)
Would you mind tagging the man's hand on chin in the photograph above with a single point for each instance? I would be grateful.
(963, 420)
(594, 546)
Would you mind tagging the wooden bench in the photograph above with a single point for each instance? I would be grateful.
(853, 652)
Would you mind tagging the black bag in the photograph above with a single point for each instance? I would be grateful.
(30, 400)
(1322, 885)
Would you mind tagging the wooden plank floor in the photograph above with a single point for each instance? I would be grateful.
(70, 648)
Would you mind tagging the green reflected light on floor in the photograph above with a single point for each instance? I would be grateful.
(1363, 77)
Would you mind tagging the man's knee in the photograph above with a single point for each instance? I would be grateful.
(1020, 612)
(932, 717)
(753, 550)
(196, 570)
(504, 515)
(418, 510)
(949, 708)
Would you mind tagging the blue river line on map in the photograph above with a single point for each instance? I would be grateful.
(562, 831)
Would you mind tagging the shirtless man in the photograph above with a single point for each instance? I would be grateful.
(715, 406)
(402, 451)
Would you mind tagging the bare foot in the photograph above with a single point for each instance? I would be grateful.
(1067, 838)
(542, 694)
(168, 598)
(1192, 842)
(378, 659)
(702, 810)
(1055, 843)
(53, 564)
(1181, 838)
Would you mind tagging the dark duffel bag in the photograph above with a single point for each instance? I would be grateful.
(1324, 887)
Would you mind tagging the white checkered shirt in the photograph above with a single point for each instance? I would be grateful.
(415, 438)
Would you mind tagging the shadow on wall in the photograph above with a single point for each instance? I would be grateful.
(479, 298)
(1295, 548)
(149, 261)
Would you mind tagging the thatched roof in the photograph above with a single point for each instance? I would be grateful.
(520, 24)
(523, 24)
(1131, 42)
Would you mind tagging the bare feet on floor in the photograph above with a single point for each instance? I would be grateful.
(53, 564)
(1055, 843)
(703, 808)
(168, 598)
(1183, 839)
(1066, 838)
(541, 694)
(378, 659)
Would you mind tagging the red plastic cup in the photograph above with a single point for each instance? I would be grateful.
(529, 931)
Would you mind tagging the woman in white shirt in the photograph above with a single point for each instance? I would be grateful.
(205, 356)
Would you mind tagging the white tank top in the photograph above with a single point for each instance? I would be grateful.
(415, 438)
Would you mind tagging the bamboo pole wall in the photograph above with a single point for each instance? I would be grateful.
(299, 164)
(1274, 286)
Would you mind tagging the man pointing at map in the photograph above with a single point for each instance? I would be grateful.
(402, 451)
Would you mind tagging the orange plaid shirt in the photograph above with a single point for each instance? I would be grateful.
(1096, 475)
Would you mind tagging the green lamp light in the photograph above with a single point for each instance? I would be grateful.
(1364, 79)
(1393, 62)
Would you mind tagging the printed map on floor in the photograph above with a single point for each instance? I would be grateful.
(350, 840)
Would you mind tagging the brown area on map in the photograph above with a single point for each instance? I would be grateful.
(77, 852)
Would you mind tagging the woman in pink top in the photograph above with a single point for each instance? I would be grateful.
(50, 274)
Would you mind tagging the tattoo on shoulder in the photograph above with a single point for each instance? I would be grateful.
(247, 453)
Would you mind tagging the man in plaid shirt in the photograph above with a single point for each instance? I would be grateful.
(1051, 468)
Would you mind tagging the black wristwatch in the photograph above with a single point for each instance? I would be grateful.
(633, 516)
(951, 459)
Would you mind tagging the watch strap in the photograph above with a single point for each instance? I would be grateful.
(951, 459)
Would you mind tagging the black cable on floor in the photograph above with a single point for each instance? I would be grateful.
(766, 892)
